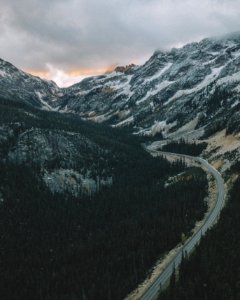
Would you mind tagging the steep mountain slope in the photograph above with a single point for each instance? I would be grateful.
(200, 80)
(20, 86)
(67, 154)
(192, 92)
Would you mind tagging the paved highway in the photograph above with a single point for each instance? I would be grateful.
(153, 290)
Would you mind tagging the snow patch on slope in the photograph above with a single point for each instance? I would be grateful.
(162, 85)
(159, 73)
(157, 127)
(44, 103)
(185, 130)
(125, 122)
(124, 88)
(208, 79)
(3, 73)
(230, 78)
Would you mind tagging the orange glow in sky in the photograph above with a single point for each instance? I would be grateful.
(92, 72)
(64, 79)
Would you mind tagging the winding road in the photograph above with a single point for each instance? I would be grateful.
(153, 291)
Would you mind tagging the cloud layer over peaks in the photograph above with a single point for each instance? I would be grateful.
(87, 34)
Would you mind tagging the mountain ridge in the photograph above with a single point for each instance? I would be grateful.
(167, 92)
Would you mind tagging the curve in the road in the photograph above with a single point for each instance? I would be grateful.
(212, 217)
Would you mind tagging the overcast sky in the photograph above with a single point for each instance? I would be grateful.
(66, 39)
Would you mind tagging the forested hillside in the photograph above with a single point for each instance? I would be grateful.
(56, 245)
(184, 147)
(212, 271)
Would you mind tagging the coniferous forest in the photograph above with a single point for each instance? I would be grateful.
(58, 246)
(183, 147)
(212, 271)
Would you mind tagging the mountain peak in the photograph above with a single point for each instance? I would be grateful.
(167, 92)
(124, 69)
(25, 87)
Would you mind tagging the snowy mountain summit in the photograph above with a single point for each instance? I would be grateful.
(23, 87)
(185, 88)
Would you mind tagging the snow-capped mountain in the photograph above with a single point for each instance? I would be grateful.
(171, 89)
(184, 88)
(20, 86)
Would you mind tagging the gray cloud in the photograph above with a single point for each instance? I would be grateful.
(77, 34)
